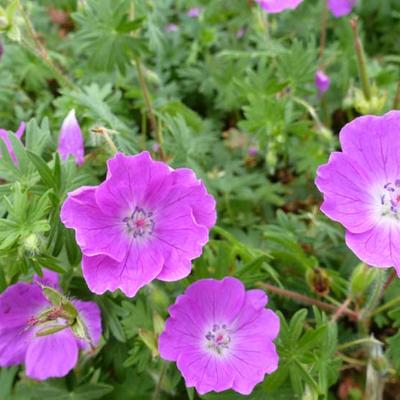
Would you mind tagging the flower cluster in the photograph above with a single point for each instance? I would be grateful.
(35, 332)
(145, 221)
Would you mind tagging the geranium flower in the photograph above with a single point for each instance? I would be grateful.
(4, 137)
(145, 221)
(340, 8)
(71, 142)
(322, 81)
(221, 336)
(361, 188)
(32, 330)
(277, 6)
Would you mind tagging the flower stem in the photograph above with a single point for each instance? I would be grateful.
(157, 391)
(396, 101)
(379, 286)
(156, 128)
(324, 26)
(357, 342)
(362, 66)
(40, 51)
(306, 299)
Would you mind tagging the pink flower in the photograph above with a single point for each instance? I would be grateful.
(145, 221)
(194, 12)
(221, 337)
(7, 142)
(70, 142)
(340, 8)
(322, 81)
(277, 6)
(361, 188)
(171, 28)
(25, 314)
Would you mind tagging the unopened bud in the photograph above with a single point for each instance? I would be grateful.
(32, 245)
(361, 279)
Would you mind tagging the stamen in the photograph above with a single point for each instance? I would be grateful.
(140, 223)
(218, 339)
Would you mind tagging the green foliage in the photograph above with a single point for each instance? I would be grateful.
(234, 99)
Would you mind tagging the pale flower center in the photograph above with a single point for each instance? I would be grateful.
(140, 223)
(218, 339)
(390, 200)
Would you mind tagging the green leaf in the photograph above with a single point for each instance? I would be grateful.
(44, 171)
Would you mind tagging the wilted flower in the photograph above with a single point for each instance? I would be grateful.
(361, 187)
(322, 81)
(340, 8)
(34, 332)
(276, 6)
(145, 221)
(171, 28)
(7, 142)
(221, 336)
(194, 12)
(71, 141)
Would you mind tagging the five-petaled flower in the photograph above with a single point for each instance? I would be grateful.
(35, 333)
(361, 188)
(145, 221)
(221, 336)
(277, 6)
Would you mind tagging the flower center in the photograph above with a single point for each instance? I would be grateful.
(218, 339)
(390, 199)
(140, 223)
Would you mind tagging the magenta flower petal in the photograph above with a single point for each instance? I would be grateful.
(221, 336)
(21, 319)
(145, 221)
(378, 246)
(20, 131)
(347, 199)
(202, 203)
(340, 8)
(277, 6)
(7, 142)
(91, 317)
(322, 81)
(52, 356)
(361, 188)
(49, 278)
(15, 312)
(139, 268)
(71, 141)
(96, 232)
(194, 12)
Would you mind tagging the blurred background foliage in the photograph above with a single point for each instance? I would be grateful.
(233, 94)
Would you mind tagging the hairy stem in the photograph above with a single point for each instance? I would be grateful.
(396, 101)
(362, 65)
(40, 51)
(156, 128)
(306, 299)
(324, 26)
